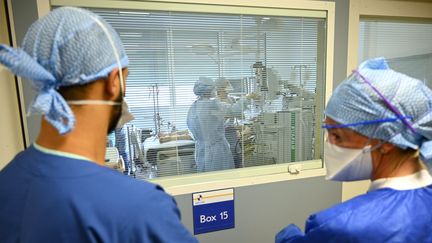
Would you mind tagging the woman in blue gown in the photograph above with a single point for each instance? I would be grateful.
(205, 120)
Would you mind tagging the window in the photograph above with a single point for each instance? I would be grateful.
(274, 68)
(406, 45)
(273, 58)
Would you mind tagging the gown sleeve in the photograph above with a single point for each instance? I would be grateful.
(330, 231)
(160, 224)
(235, 109)
(291, 233)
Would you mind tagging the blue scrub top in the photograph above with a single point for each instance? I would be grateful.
(52, 198)
(395, 210)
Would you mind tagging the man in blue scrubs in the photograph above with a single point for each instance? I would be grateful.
(58, 190)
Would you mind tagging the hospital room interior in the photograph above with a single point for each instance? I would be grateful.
(272, 66)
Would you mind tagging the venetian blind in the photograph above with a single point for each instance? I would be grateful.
(169, 51)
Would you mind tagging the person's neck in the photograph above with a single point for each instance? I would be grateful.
(87, 139)
(385, 168)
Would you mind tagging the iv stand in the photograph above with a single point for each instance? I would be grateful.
(156, 115)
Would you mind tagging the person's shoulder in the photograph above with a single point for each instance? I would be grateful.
(17, 162)
(126, 185)
(135, 195)
(29, 152)
(339, 214)
(153, 214)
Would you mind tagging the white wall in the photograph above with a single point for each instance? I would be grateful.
(392, 39)
(11, 140)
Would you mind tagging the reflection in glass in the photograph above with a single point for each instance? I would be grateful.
(406, 45)
(271, 65)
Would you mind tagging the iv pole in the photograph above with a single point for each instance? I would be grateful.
(156, 114)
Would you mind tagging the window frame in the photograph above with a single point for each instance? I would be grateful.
(185, 184)
(380, 10)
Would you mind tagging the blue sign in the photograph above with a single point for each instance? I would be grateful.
(213, 210)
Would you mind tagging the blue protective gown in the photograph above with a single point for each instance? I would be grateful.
(52, 198)
(395, 210)
(205, 120)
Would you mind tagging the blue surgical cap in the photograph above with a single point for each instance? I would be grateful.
(355, 102)
(223, 83)
(203, 86)
(69, 46)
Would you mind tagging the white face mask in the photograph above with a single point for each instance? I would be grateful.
(346, 164)
(125, 116)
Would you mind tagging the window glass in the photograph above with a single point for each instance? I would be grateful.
(260, 82)
(406, 45)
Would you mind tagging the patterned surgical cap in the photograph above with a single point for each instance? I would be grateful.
(203, 86)
(69, 46)
(381, 103)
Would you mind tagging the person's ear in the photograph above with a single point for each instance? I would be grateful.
(125, 73)
(387, 148)
(112, 86)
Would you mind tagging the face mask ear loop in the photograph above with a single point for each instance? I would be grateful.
(375, 147)
(368, 142)
(122, 91)
(325, 135)
(93, 102)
